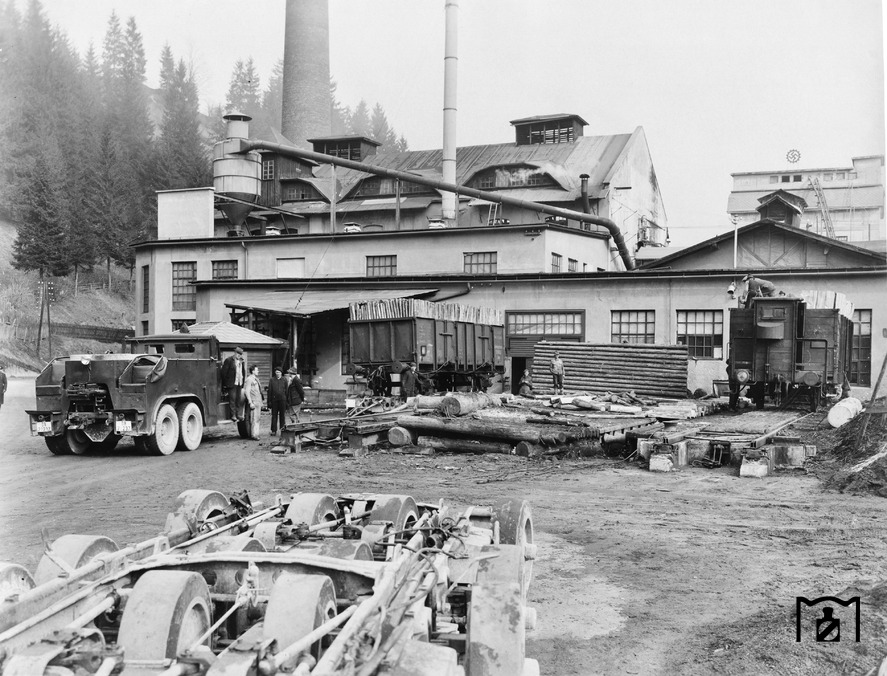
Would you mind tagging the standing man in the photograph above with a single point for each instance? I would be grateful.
(233, 378)
(556, 369)
(295, 395)
(3, 384)
(277, 387)
(409, 382)
(253, 392)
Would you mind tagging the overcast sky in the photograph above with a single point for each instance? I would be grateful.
(719, 87)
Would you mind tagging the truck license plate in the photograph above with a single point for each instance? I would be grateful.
(43, 426)
(123, 426)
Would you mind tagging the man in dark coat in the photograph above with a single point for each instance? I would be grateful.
(277, 401)
(233, 377)
(295, 395)
(409, 382)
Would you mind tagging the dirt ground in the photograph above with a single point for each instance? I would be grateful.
(693, 572)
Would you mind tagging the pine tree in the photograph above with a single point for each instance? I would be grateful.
(359, 121)
(340, 114)
(244, 90)
(272, 100)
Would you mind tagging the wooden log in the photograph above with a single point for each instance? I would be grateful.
(529, 450)
(427, 403)
(454, 445)
(463, 403)
(400, 436)
(486, 429)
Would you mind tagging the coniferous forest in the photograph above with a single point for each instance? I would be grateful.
(86, 143)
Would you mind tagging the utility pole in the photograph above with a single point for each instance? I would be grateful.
(42, 291)
(50, 298)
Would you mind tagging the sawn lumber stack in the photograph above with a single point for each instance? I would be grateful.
(652, 370)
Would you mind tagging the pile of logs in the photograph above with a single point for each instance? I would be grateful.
(652, 370)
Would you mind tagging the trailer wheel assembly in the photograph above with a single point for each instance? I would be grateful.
(167, 611)
(297, 606)
(78, 442)
(58, 445)
(14, 579)
(401, 510)
(516, 528)
(193, 508)
(190, 426)
(165, 438)
(496, 640)
(312, 509)
(74, 551)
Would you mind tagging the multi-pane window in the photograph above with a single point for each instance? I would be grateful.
(632, 326)
(572, 265)
(177, 324)
(299, 191)
(145, 327)
(556, 262)
(267, 170)
(861, 349)
(511, 177)
(388, 186)
(184, 295)
(146, 288)
(544, 323)
(480, 262)
(224, 269)
(381, 266)
(702, 331)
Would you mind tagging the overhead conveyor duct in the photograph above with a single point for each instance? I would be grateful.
(291, 151)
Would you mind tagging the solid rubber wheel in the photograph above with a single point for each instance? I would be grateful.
(190, 426)
(166, 612)
(356, 550)
(58, 445)
(297, 606)
(401, 510)
(76, 551)
(509, 565)
(312, 508)
(14, 579)
(78, 442)
(192, 509)
(166, 432)
(496, 635)
(516, 528)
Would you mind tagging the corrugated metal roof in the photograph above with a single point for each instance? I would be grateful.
(385, 204)
(228, 333)
(305, 303)
(863, 197)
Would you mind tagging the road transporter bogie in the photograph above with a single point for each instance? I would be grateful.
(362, 584)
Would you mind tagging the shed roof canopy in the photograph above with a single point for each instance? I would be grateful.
(231, 334)
(306, 303)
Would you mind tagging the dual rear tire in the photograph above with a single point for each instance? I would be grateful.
(176, 428)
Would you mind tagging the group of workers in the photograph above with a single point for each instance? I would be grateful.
(246, 398)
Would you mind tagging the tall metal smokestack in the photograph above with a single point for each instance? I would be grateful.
(307, 107)
(451, 61)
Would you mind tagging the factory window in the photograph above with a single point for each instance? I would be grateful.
(184, 295)
(702, 331)
(840, 176)
(556, 262)
(145, 327)
(786, 179)
(407, 188)
(544, 323)
(861, 349)
(289, 268)
(177, 325)
(485, 181)
(381, 266)
(827, 177)
(480, 262)
(556, 132)
(299, 191)
(796, 178)
(224, 269)
(632, 326)
(510, 177)
(268, 170)
(146, 288)
(572, 265)
(774, 179)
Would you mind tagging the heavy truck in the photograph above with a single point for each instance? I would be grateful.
(162, 393)
(357, 585)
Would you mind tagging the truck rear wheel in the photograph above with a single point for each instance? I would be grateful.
(165, 438)
(58, 445)
(190, 426)
(78, 442)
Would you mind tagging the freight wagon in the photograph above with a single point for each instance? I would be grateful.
(453, 346)
(782, 349)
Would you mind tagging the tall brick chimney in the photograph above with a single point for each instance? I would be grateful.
(306, 71)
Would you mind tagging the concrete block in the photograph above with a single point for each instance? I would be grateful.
(645, 447)
(794, 455)
(661, 462)
(755, 468)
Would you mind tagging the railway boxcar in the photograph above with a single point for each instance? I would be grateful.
(782, 349)
(452, 345)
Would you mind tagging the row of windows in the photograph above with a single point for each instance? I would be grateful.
(184, 274)
(511, 177)
(388, 186)
(826, 176)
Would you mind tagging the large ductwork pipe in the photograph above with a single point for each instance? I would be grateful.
(451, 62)
(290, 151)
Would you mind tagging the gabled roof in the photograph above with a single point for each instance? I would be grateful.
(231, 334)
(793, 202)
(875, 257)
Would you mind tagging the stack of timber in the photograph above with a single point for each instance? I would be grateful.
(651, 370)
(684, 409)
(405, 308)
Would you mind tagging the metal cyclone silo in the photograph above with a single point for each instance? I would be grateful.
(237, 176)
(307, 109)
